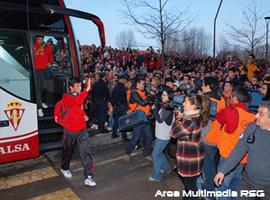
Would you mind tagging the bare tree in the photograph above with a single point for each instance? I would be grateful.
(251, 34)
(195, 42)
(156, 20)
(125, 39)
(172, 45)
(225, 48)
(191, 42)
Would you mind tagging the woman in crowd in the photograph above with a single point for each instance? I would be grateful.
(186, 129)
(266, 89)
(164, 119)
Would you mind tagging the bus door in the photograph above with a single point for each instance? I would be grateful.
(18, 118)
(54, 85)
(62, 67)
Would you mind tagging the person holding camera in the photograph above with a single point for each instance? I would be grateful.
(138, 101)
(163, 124)
(187, 129)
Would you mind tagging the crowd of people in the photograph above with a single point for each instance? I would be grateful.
(209, 106)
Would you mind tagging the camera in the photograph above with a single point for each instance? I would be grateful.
(185, 87)
(155, 100)
(176, 104)
(154, 96)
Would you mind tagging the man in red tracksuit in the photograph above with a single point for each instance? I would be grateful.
(75, 132)
(43, 59)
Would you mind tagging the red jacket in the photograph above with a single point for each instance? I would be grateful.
(44, 57)
(74, 119)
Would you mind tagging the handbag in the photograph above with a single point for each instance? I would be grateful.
(131, 120)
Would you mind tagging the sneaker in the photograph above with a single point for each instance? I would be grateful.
(44, 105)
(127, 157)
(114, 135)
(90, 181)
(163, 172)
(40, 113)
(151, 179)
(94, 126)
(148, 158)
(66, 173)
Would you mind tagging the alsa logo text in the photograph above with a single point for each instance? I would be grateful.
(14, 148)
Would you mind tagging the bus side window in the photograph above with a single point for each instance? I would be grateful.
(15, 68)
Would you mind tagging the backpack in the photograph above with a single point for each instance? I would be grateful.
(212, 114)
(59, 113)
(212, 109)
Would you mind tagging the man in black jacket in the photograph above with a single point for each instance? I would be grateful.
(120, 105)
(101, 98)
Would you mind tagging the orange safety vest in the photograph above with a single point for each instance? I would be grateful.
(228, 141)
(213, 136)
(220, 103)
(136, 106)
(128, 95)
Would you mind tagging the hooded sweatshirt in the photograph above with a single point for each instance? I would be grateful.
(229, 117)
(74, 119)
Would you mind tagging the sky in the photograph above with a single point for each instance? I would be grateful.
(202, 11)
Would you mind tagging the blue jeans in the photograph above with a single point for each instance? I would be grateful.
(232, 180)
(209, 167)
(116, 117)
(101, 115)
(143, 130)
(160, 161)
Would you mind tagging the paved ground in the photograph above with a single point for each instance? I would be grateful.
(116, 179)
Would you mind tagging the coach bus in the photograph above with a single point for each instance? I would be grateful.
(22, 133)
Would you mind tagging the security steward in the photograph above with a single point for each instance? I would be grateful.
(138, 101)
(120, 104)
(233, 121)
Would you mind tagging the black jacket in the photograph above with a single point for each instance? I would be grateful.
(136, 98)
(213, 94)
(100, 92)
(119, 97)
